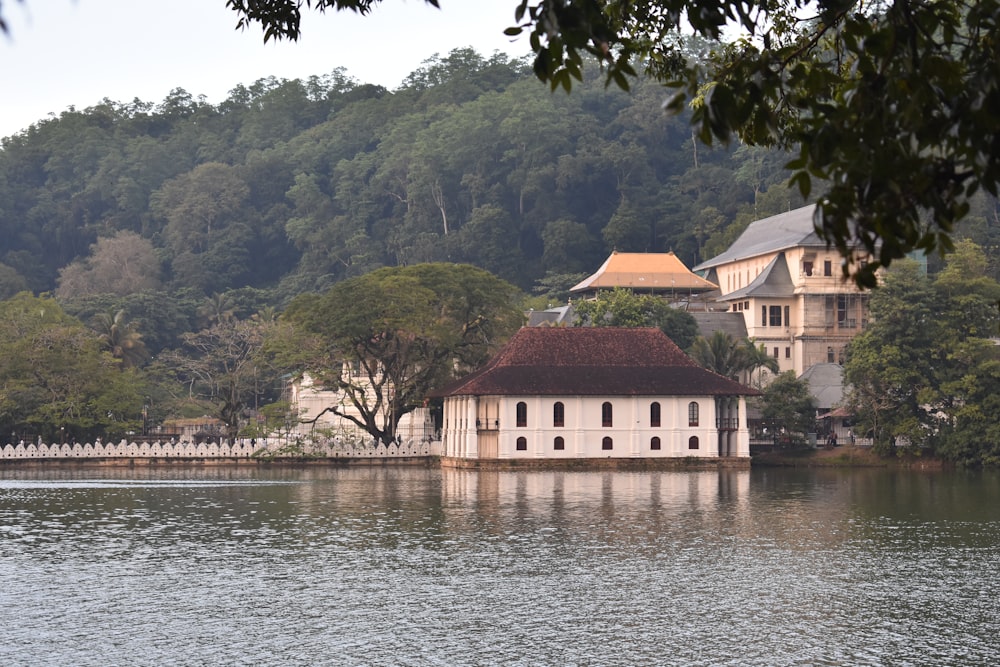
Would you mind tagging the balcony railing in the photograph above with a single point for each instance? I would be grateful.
(727, 423)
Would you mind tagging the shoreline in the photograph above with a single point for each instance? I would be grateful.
(844, 456)
(846, 459)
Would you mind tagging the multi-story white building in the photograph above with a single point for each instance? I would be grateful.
(789, 287)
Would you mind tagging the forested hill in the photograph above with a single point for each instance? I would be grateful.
(291, 186)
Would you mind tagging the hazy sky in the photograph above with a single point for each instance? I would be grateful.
(62, 53)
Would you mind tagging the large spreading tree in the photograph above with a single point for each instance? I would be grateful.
(926, 372)
(891, 106)
(403, 331)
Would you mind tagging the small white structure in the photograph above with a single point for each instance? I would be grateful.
(588, 393)
(319, 408)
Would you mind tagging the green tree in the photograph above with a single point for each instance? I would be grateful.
(223, 366)
(11, 282)
(405, 331)
(719, 353)
(754, 358)
(924, 372)
(121, 338)
(732, 358)
(622, 308)
(55, 380)
(789, 407)
(890, 366)
(206, 229)
(889, 106)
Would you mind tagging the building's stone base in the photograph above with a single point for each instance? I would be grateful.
(679, 463)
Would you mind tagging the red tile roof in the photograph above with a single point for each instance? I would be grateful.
(592, 361)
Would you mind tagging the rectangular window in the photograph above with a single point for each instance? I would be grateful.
(788, 319)
(807, 268)
(827, 268)
(763, 316)
(775, 320)
(775, 353)
(788, 353)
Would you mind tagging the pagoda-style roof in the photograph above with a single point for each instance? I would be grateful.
(592, 361)
(657, 272)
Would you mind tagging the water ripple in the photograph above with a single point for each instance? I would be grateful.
(422, 567)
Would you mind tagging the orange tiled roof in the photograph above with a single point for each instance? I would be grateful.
(645, 270)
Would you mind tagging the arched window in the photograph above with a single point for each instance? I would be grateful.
(558, 414)
(558, 443)
(654, 414)
(522, 444)
(522, 414)
(607, 415)
(693, 442)
(654, 443)
(692, 413)
(607, 443)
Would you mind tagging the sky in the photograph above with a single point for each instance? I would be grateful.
(63, 53)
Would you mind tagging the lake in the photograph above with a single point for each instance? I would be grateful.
(176, 565)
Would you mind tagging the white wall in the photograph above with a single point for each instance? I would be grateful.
(583, 432)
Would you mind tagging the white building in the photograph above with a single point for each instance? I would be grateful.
(788, 286)
(320, 409)
(587, 393)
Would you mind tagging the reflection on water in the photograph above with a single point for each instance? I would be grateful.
(285, 566)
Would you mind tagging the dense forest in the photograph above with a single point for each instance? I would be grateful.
(291, 186)
(163, 220)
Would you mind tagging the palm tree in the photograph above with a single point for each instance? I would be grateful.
(755, 358)
(718, 353)
(218, 308)
(722, 354)
(120, 338)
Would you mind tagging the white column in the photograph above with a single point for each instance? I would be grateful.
(471, 435)
(743, 434)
